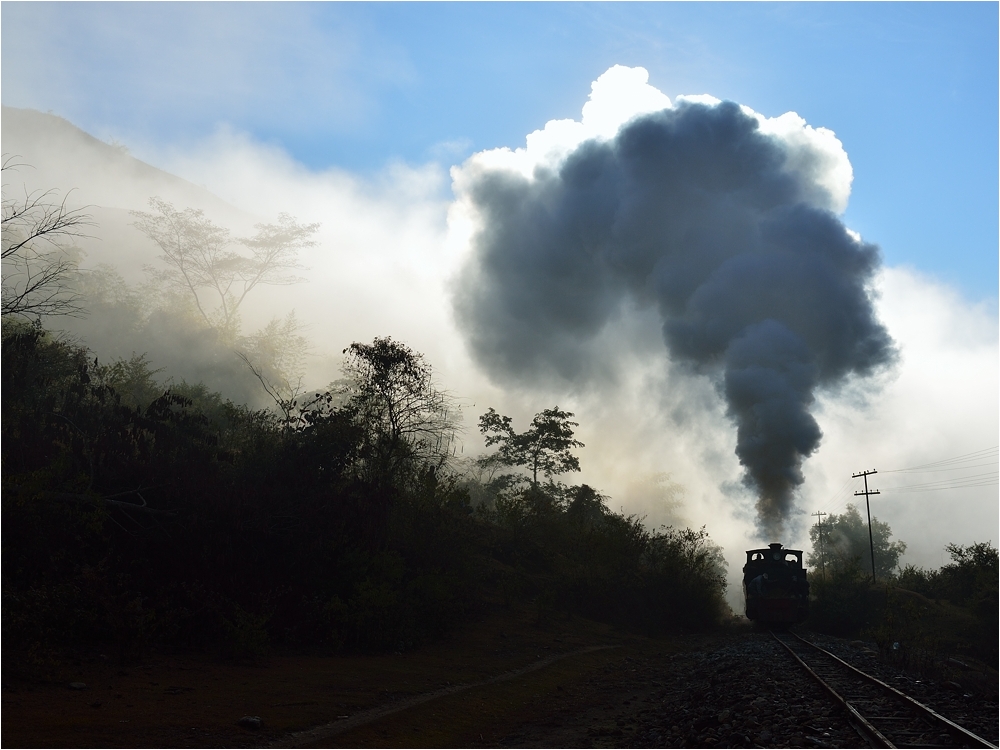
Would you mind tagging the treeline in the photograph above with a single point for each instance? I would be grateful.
(916, 615)
(134, 517)
(970, 580)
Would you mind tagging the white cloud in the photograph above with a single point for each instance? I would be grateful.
(616, 97)
(815, 151)
(942, 401)
(620, 94)
(390, 246)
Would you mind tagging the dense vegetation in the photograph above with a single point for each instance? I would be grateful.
(134, 517)
(916, 616)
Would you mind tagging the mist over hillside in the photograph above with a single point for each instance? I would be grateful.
(47, 152)
(124, 316)
(658, 441)
(62, 155)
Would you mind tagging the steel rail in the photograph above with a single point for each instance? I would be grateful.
(950, 726)
(860, 722)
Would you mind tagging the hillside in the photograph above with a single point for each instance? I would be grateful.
(54, 154)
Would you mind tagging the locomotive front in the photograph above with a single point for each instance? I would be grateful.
(774, 586)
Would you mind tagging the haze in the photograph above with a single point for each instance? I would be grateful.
(399, 164)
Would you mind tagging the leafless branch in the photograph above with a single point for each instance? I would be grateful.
(38, 263)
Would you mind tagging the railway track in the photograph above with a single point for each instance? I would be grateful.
(883, 715)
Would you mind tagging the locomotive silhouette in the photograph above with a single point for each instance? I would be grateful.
(775, 586)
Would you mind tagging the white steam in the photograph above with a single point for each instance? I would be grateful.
(391, 247)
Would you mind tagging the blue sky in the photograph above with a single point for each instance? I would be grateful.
(910, 89)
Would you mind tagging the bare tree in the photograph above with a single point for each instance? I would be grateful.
(38, 261)
(201, 262)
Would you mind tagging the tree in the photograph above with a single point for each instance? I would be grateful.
(276, 356)
(545, 446)
(970, 579)
(845, 538)
(407, 422)
(201, 262)
(38, 262)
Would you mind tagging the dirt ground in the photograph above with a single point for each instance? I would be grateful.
(508, 681)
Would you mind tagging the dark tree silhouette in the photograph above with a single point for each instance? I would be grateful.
(544, 447)
(407, 421)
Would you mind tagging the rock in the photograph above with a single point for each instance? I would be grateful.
(78, 686)
(723, 716)
(250, 722)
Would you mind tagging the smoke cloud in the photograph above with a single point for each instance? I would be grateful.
(723, 221)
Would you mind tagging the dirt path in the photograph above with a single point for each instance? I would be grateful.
(319, 735)
(473, 686)
(594, 699)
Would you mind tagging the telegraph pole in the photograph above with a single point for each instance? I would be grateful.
(822, 549)
(866, 493)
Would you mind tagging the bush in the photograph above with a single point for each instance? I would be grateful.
(133, 517)
(845, 602)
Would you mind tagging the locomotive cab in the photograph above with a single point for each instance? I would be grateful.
(774, 586)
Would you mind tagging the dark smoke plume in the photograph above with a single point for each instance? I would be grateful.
(695, 210)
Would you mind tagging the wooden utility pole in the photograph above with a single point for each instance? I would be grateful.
(866, 493)
(822, 549)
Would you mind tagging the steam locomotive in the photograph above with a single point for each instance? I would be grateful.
(775, 586)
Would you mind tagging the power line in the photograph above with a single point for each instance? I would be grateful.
(933, 471)
(964, 458)
(962, 462)
(973, 480)
(847, 488)
(838, 502)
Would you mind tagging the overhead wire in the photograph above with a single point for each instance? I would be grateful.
(838, 502)
(948, 462)
(973, 480)
(838, 497)
(961, 463)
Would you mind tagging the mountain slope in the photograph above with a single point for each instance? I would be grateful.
(47, 152)
(58, 155)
